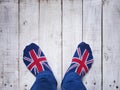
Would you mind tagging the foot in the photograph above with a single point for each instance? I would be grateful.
(35, 59)
(82, 60)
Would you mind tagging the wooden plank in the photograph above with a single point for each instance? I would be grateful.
(72, 30)
(50, 34)
(92, 36)
(15, 1)
(29, 17)
(111, 45)
(9, 46)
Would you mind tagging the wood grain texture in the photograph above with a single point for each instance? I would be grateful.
(92, 36)
(111, 45)
(13, 1)
(50, 34)
(28, 33)
(58, 26)
(9, 46)
(72, 30)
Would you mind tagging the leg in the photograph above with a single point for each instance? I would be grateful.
(81, 63)
(36, 62)
(44, 81)
(72, 81)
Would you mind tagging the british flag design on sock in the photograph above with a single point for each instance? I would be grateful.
(35, 59)
(82, 60)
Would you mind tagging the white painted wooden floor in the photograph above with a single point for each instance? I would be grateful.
(58, 26)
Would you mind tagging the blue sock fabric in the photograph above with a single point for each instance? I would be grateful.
(36, 62)
(81, 63)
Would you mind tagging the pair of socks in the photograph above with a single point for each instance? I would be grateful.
(36, 62)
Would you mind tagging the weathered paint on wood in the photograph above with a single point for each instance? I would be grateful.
(8, 46)
(28, 33)
(50, 34)
(92, 35)
(111, 45)
(71, 30)
(58, 26)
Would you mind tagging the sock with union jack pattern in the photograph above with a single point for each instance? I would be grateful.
(81, 63)
(36, 62)
(35, 59)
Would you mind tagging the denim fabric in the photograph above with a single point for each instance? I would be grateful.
(72, 81)
(45, 81)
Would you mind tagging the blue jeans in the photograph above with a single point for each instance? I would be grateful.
(46, 81)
